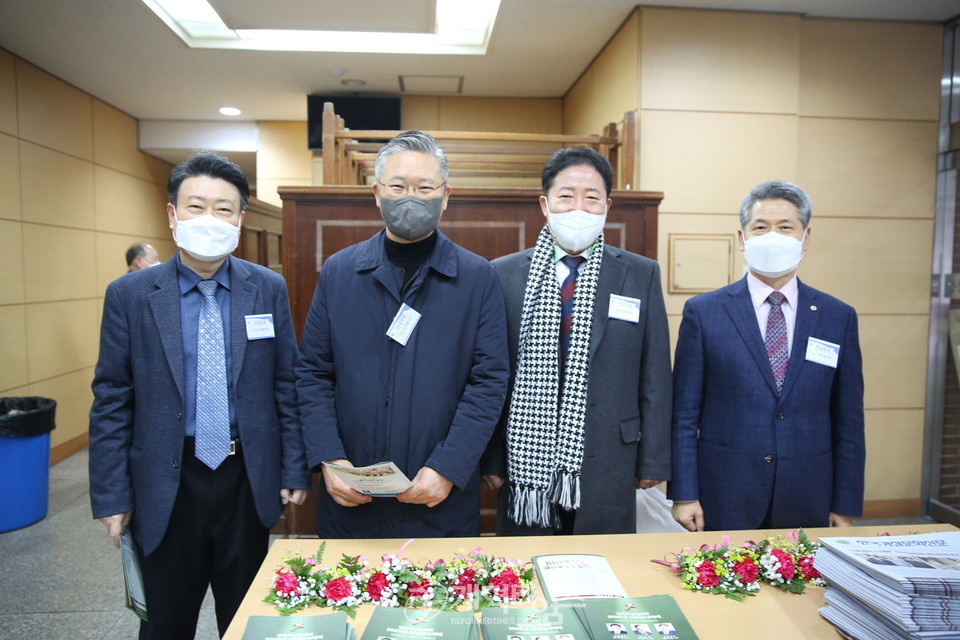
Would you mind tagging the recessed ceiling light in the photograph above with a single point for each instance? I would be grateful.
(353, 82)
(230, 111)
(460, 28)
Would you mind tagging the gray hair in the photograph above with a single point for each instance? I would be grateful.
(777, 190)
(411, 141)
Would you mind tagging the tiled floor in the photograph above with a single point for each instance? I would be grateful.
(60, 579)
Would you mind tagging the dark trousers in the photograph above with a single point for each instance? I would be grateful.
(214, 538)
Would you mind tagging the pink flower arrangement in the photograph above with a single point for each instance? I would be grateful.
(738, 571)
(473, 579)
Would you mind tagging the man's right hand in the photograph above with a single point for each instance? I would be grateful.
(689, 515)
(491, 483)
(116, 524)
(339, 490)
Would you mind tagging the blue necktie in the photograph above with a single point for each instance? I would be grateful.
(566, 304)
(213, 412)
(776, 339)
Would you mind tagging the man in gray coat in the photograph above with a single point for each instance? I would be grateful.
(588, 417)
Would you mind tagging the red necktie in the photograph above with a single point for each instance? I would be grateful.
(776, 339)
(566, 304)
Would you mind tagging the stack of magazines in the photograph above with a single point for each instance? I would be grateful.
(892, 587)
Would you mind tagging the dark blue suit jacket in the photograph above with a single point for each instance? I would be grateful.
(737, 445)
(136, 423)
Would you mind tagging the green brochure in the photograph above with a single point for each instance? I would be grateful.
(331, 626)
(420, 624)
(653, 617)
(134, 597)
(559, 622)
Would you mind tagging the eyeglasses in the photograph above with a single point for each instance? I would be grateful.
(402, 188)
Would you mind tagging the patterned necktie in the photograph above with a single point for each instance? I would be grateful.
(213, 413)
(566, 303)
(776, 339)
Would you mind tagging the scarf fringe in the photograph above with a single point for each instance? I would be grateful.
(529, 507)
(565, 490)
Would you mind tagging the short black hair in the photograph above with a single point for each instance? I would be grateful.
(575, 157)
(135, 251)
(212, 165)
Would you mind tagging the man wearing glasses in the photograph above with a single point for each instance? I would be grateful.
(404, 359)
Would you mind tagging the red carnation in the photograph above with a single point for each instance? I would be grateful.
(418, 589)
(337, 590)
(707, 575)
(376, 584)
(465, 584)
(747, 569)
(787, 568)
(286, 584)
(805, 564)
(506, 585)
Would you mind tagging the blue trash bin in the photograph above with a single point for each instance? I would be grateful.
(25, 426)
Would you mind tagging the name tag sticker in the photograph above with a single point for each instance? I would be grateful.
(823, 352)
(403, 324)
(260, 326)
(624, 308)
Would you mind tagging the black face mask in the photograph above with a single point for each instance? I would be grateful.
(411, 218)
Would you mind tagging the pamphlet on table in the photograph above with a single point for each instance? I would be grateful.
(649, 617)
(575, 576)
(331, 626)
(560, 622)
(388, 623)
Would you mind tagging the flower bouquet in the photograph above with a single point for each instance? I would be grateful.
(470, 579)
(737, 571)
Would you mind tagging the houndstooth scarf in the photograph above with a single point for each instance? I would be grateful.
(545, 430)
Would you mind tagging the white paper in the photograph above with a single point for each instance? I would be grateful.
(403, 324)
(624, 308)
(260, 326)
(823, 352)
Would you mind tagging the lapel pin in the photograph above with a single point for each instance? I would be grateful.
(813, 307)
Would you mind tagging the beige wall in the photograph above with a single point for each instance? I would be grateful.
(848, 110)
(76, 194)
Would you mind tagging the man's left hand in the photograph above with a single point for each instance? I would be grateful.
(646, 483)
(296, 496)
(837, 520)
(429, 488)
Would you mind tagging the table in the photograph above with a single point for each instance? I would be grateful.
(773, 613)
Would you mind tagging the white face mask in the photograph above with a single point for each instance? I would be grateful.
(773, 254)
(205, 237)
(575, 230)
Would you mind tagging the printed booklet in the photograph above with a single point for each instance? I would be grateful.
(576, 576)
(330, 626)
(383, 479)
(420, 624)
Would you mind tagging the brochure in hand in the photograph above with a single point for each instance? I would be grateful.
(332, 626)
(635, 618)
(560, 622)
(380, 480)
(419, 624)
(134, 597)
(576, 576)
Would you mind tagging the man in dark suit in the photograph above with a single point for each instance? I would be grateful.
(195, 439)
(768, 388)
(587, 421)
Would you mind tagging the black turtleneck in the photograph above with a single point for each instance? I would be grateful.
(409, 256)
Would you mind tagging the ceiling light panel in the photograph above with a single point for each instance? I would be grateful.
(455, 27)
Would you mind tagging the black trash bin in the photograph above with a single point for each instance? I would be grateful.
(25, 426)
